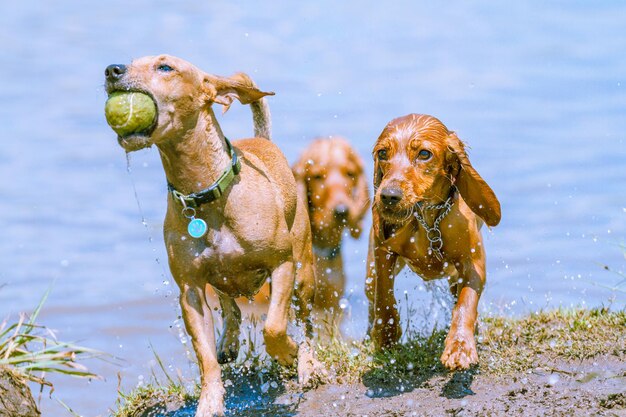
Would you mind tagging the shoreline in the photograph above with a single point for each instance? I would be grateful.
(562, 362)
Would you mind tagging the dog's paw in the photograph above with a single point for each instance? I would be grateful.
(283, 349)
(227, 352)
(211, 402)
(310, 370)
(459, 353)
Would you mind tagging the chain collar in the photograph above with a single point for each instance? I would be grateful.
(215, 190)
(433, 234)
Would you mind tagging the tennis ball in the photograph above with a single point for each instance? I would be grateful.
(130, 112)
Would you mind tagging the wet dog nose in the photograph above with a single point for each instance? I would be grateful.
(114, 72)
(341, 211)
(391, 196)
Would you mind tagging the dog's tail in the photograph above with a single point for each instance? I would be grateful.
(260, 110)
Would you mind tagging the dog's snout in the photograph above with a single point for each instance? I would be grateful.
(341, 211)
(114, 72)
(391, 196)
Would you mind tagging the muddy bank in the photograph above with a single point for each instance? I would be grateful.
(16, 400)
(593, 387)
(560, 363)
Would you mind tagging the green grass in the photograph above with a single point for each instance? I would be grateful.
(506, 347)
(152, 396)
(512, 345)
(32, 351)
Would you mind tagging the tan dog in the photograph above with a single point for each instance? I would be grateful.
(257, 229)
(429, 206)
(331, 179)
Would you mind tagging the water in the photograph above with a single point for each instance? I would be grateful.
(536, 89)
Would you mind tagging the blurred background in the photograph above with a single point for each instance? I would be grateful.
(537, 90)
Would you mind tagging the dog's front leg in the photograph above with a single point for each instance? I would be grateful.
(460, 345)
(199, 324)
(385, 328)
(277, 343)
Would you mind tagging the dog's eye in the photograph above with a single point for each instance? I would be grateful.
(165, 68)
(351, 174)
(382, 154)
(317, 177)
(424, 155)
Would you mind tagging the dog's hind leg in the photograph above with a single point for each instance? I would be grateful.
(199, 324)
(228, 345)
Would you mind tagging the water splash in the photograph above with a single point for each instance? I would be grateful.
(165, 280)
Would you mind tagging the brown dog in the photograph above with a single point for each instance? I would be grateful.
(257, 226)
(429, 206)
(331, 179)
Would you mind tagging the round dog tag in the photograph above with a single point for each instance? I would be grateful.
(196, 228)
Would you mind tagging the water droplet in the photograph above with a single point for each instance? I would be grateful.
(343, 303)
(553, 379)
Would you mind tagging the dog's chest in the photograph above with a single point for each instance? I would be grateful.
(417, 254)
(223, 250)
(232, 263)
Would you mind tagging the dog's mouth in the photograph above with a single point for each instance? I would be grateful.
(395, 215)
(135, 141)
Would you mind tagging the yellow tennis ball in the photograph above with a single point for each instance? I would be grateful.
(130, 112)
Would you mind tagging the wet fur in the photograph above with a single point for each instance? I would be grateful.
(396, 238)
(258, 229)
(330, 173)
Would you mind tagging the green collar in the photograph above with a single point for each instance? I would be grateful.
(215, 190)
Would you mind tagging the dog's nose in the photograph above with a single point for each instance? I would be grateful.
(341, 211)
(391, 196)
(114, 72)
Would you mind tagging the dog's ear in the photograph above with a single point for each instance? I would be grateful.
(360, 198)
(223, 90)
(300, 172)
(474, 190)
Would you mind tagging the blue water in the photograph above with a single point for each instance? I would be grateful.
(538, 90)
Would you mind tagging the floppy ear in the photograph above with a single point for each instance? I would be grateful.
(474, 190)
(360, 198)
(223, 90)
(299, 173)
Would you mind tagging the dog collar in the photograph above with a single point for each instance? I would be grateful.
(433, 234)
(215, 190)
